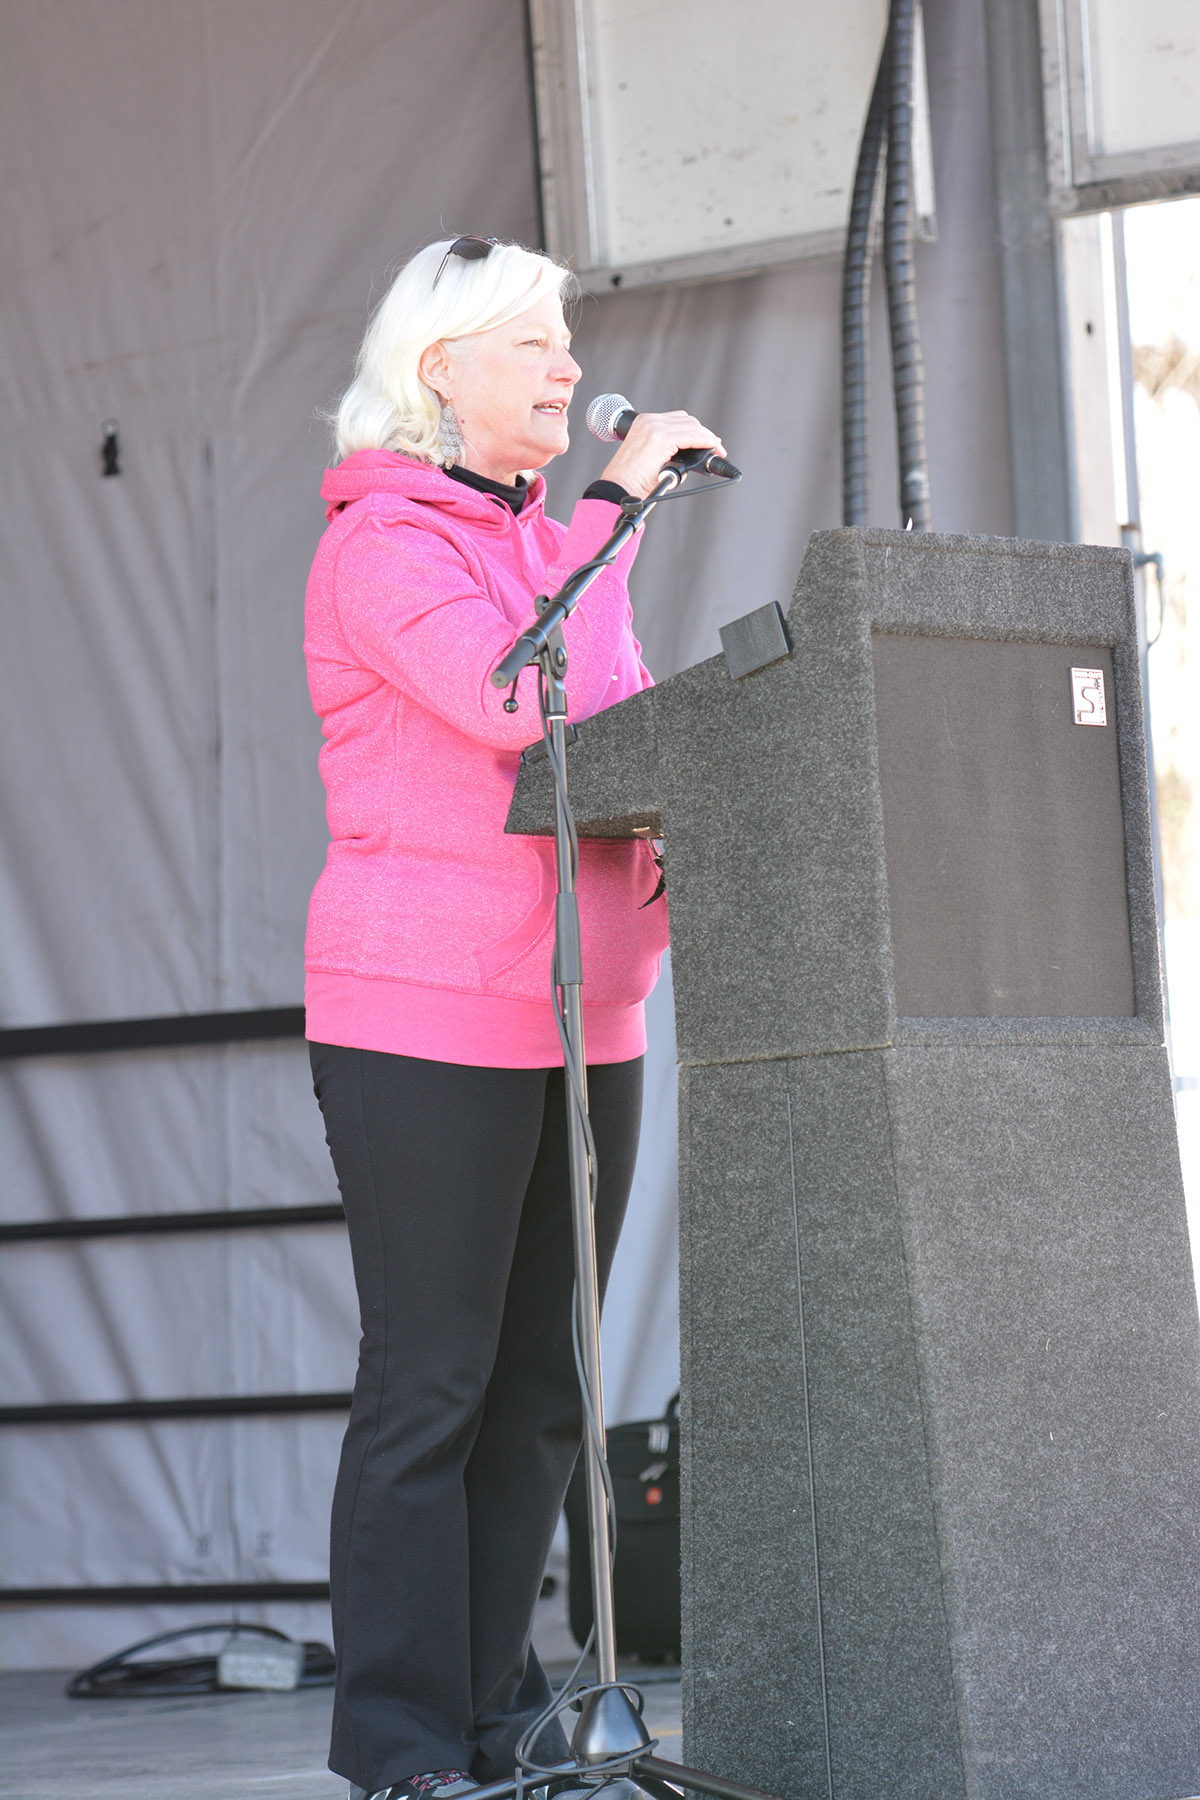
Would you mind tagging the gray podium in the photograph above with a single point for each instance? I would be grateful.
(941, 1361)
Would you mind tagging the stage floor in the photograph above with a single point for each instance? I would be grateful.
(216, 1747)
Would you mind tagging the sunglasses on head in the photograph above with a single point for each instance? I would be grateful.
(471, 249)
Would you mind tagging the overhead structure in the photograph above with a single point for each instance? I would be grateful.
(692, 140)
(1122, 86)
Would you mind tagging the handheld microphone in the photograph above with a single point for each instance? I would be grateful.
(609, 417)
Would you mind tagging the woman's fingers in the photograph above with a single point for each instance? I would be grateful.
(678, 430)
(652, 440)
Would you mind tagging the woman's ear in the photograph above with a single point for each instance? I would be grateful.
(433, 367)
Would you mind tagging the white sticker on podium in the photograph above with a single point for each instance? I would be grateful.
(1087, 697)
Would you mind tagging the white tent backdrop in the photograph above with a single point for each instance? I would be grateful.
(201, 199)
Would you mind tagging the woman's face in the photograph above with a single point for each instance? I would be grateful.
(510, 388)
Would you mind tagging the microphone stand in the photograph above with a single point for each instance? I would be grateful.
(610, 1744)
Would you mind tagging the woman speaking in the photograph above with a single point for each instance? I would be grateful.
(435, 1053)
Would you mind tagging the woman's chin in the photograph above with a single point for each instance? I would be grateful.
(550, 442)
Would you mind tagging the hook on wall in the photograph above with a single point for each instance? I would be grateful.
(110, 448)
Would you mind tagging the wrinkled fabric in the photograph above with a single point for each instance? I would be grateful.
(418, 588)
(201, 205)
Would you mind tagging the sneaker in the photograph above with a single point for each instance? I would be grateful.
(437, 1784)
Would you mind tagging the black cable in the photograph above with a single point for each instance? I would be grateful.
(856, 305)
(707, 487)
(619, 1764)
(899, 224)
(119, 1677)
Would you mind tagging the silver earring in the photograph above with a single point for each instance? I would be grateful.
(450, 440)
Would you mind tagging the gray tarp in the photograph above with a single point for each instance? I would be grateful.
(201, 198)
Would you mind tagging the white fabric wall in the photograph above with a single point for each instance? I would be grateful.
(202, 197)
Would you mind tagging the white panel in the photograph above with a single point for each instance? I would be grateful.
(1087, 276)
(690, 138)
(1143, 61)
(1122, 101)
(724, 125)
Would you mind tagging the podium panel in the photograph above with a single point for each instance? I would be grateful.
(1003, 831)
(940, 1347)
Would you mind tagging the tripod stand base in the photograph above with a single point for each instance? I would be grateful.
(609, 1725)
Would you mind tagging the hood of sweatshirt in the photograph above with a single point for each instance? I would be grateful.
(385, 472)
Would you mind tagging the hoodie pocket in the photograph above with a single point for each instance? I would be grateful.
(494, 958)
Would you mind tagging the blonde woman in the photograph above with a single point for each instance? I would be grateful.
(435, 1054)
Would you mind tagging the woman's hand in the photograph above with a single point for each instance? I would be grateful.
(652, 441)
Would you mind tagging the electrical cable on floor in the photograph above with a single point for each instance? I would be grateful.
(120, 1677)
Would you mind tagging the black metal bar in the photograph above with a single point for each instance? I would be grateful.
(696, 1779)
(246, 1218)
(197, 1593)
(553, 611)
(170, 1032)
(221, 1406)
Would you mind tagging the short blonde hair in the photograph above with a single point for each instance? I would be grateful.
(387, 406)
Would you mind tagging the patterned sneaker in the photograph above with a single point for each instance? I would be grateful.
(437, 1784)
(566, 1787)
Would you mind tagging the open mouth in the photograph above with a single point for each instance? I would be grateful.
(555, 408)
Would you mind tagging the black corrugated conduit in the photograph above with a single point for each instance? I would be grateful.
(888, 131)
(899, 227)
(856, 307)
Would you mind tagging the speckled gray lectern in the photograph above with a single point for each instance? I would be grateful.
(941, 1358)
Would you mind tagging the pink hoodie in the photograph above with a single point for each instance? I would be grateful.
(429, 930)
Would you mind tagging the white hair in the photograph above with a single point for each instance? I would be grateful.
(387, 406)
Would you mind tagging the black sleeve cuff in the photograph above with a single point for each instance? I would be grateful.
(606, 490)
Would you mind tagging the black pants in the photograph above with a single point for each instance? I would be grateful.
(466, 1419)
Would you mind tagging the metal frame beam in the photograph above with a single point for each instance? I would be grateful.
(1041, 449)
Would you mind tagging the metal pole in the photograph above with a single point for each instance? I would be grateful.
(1041, 456)
(568, 975)
(1131, 537)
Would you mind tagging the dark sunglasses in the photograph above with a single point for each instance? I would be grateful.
(471, 249)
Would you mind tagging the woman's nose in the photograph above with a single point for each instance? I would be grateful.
(568, 369)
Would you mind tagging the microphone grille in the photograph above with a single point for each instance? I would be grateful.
(603, 414)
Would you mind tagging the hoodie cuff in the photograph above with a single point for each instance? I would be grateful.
(606, 490)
